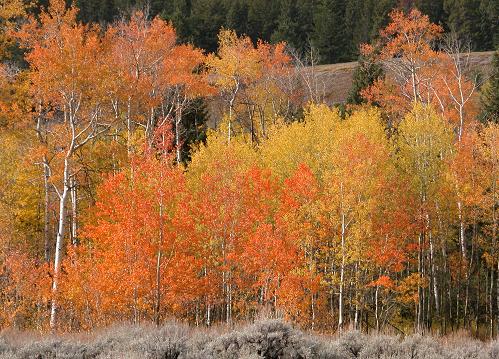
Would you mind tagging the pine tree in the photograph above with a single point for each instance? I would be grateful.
(178, 13)
(294, 24)
(207, 18)
(237, 16)
(433, 8)
(98, 11)
(488, 12)
(490, 93)
(329, 31)
(366, 72)
(262, 15)
(469, 18)
(287, 23)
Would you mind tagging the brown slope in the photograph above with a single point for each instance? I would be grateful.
(337, 78)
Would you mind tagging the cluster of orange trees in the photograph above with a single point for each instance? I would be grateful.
(381, 216)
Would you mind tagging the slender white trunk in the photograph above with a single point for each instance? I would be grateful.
(229, 129)
(434, 276)
(158, 263)
(59, 242)
(178, 122)
(342, 274)
(461, 230)
(313, 311)
(74, 211)
(419, 304)
(208, 314)
(46, 227)
(376, 309)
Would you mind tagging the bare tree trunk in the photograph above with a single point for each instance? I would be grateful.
(74, 211)
(419, 304)
(178, 123)
(229, 126)
(342, 274)
(208, 314)
(63, 198)
(461, 231)
(376, 308)
(46, 224)
(313, 311)
(158, 264)
(434, 276)
(129, 127)
(356, 316)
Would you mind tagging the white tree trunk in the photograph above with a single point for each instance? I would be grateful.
(59, 242)
(342, 274)
(74, 211)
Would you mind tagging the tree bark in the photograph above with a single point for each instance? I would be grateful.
(342, 274)
(74, 211)
(46, 224)
(59, 242)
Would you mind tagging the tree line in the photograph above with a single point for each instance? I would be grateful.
(381, 214)
(333, 27)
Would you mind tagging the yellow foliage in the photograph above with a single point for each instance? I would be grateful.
(20, 185)
(424, 141)
(309, 142)
(239, 154)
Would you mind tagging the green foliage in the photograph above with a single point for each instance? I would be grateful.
(364, 76)
(490, 93)
(329, 36)
(475, 20)
(335, 27)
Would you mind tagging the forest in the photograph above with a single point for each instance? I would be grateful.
(335, 28)
(148, 178)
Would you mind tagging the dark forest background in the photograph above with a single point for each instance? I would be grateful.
(333, 27)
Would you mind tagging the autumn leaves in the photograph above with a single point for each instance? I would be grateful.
(378, 215)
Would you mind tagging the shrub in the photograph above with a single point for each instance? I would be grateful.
(491, 351)
(420, 347)
(268, 339)
(469, 349)
(352, 343)
(380, 347)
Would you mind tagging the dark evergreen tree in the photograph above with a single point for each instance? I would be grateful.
(366, 72)
(329, 36)
(334, 27)
(237, 16)
(262, 18)
(490, 93)
(206, 20)
(433, 8)
(379, 10)
(294, 24)
(475, 20)
(98, 11)
(178, 13)
(489, 19)
(287, 24)
(194, 123)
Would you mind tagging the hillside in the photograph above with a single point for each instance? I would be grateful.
(334, 81)
(337, 78)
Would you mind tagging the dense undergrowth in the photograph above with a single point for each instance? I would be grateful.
(266, 339)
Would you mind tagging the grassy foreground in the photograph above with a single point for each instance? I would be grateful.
(270, 339)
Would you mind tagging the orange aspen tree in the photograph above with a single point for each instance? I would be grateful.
(183, 73)
(406, 49)
(65, 60)
(138, 50)
(138, 258)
